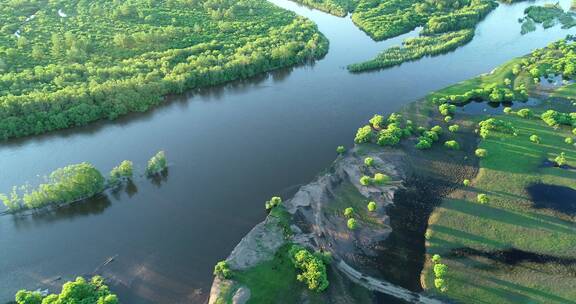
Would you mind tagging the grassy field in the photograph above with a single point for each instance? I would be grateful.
(509, 221)
(496, 76)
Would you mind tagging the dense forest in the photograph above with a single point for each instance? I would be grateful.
(67, 63)
(335, 7)
(446, 25)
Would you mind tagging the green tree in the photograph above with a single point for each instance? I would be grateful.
(312, 268)
(349, 212)
(381, 179)
(369, 161)
(365, 180)
(340, 150)
(157, 164)
(481, 153)
(482, 198)
(222, 270)
(371, 206)
(560, 160)
(535, 138)
(466, 182)
(273, 202)
(352, 224)
(452, 145)
(124, 171)
(453, 128)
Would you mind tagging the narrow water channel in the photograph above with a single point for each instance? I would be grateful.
(230, 148)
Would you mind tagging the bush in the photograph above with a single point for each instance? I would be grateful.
(525, 113)
(156, 164)
(273, 202)
(349, 212)
(454, 128)
(560, 160)
(507, 110)
(452, 144)
(569, 140)
(535, 138)
(424, 143)
(369, 161)
(482, 198)
(447, 119)
(377, 121)
(222, 270)
(495, 125)
(466, 182)
(436, 129)
(481, 153)
(371, 206)
(351, 223)
(365, 180)
(390, 136)
(363, 135)
(380, 179)
(446, 109)
(312, 267)
(77, 291)
(124, 171)
(340, 150)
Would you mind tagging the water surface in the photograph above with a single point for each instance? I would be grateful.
(230, 148)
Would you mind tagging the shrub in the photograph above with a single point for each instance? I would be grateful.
(424, 143)
(436, 258)
(222, 270)
(340, 150)
(454, 128)
(481, 153)
(363, 135)
(371, 206)
(482, 198)
(351, 223)
(349, 212)
(440, 270)
(447, 119)
(507, 110)
(436, 129)
(365, 180)
(495, 125)
(554, 118)
(377, 121)
(312, 267)
(273, 202)
(525, 113)
(380, 179)
(446, 109)
(369, 161)
(560, 160)
(156, 164)
(466, 182)
(390, 136)
(535, 138)
(452, 144)
(569, 140)
(120, 172)
(431, 135)
(394, 118)
(574, 131)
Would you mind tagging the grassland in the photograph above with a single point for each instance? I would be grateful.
(473, 238)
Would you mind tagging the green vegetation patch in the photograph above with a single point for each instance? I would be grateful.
(339, 8)
(67, 63)
(508, 220)
(447, 24)
(77, 291)
(548, 15)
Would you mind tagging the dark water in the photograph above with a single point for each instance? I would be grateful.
(230, 148)
(559, 198)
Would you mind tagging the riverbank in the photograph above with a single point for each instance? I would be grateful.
(516, 238)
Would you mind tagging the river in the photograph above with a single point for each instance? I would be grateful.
(230, 148)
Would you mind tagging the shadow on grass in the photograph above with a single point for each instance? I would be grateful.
(504, 216)
(532, 291)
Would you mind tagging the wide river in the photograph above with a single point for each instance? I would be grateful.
(230, 148)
